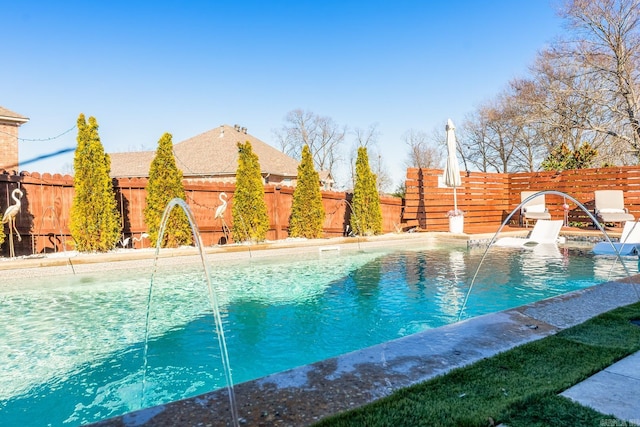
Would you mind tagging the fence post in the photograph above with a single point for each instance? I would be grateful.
(276, 211)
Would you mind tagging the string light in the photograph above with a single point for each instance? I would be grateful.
(41, 139)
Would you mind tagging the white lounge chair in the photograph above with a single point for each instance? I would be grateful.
(545, 231)
(629, 242)
(535, 208)
(630, 232)
(610, 206)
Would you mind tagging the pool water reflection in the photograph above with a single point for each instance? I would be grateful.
(72, 347)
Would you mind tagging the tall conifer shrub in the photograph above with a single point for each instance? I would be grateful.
(250, 217)
(366, 218)
(165, 183)
(307, 212)
(95, 222)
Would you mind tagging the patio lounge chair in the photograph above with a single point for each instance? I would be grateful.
(610, 206)
(534, 209)
(544, 232)
(629, 242)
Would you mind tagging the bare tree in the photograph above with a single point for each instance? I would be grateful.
(566, 107)
(368, 138)
(529, 149)
(492, 135)
(424, 151)
(606, 48)
(513, 132)
(379, 168)
(475, 146)
(323, 136)
(583, 90)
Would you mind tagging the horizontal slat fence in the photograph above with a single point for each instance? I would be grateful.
(581, 185)
(482, 196)
(44, 217)
(488, 198)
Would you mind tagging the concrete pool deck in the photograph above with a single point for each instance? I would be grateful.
(304, 395)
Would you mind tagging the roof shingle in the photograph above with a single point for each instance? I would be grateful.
(12, 116)
(212, 153)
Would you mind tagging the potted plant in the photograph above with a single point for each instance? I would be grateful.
(456, 221)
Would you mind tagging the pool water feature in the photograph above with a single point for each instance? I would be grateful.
(213, 301)
(71, 346)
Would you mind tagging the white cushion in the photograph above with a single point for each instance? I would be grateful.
(535, 208)
(611, 210)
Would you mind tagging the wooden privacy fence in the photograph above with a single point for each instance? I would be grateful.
(488, 198)
(484, 198)
(581, 185)
(44, 217)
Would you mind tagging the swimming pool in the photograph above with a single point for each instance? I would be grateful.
(72, 346)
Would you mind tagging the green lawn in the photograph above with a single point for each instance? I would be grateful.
(518, 387)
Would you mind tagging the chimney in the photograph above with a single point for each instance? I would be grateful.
(221, 131)
(244, 130)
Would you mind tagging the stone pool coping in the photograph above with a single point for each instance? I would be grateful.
(62, 263)
(304, 395)
(74, 262)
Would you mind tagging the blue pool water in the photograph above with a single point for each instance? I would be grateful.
(71, 347)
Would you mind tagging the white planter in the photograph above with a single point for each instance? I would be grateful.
(456, 224)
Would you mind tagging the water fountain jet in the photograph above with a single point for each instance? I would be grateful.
(212, 297)
(508, 218)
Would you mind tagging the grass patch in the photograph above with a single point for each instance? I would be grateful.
(554, 410)
(518, 387)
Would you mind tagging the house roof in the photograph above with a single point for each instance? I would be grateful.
(8, 115)
(212, 153)
(325, 176)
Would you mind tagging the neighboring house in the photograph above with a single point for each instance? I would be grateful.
(212, 156)
(326, 180)
(9, 124)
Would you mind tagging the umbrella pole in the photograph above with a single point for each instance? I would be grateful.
(455, 201)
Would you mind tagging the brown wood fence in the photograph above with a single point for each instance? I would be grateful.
(581, 185)
(484, 197)
(488, 198)
(44, 219)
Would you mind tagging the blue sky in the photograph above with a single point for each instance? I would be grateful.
(145, 68)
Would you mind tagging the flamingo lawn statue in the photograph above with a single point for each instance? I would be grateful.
(220, 214)
(222, 207)
(10, 218)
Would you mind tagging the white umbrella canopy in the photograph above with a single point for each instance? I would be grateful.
(452, 168)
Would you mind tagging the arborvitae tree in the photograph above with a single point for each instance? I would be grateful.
(366, 217)
(95, 220)
(165, 184)
(250, 217)
(307, 212)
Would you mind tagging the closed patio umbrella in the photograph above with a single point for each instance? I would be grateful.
(452, 168)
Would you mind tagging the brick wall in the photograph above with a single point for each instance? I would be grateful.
(8, 145)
